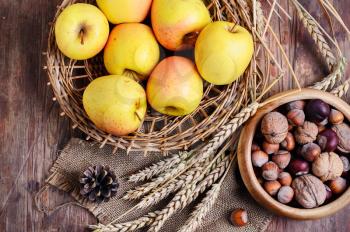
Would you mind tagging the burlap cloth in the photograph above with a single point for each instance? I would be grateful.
(79, 154)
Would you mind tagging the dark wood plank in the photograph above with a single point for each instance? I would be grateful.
(31, 132)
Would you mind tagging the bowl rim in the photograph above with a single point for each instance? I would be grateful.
(246, 167)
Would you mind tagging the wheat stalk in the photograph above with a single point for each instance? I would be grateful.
(317, 36)
(158, 168)
(332, 78)
(207, 203)
(140, 191)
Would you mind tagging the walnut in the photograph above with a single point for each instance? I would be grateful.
(306, 133)
(309, 191)
(343, 132)
(274, 127)
(327, 166)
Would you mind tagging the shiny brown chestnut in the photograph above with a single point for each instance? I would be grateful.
(328, 140)
(317, 110)
(298, 167)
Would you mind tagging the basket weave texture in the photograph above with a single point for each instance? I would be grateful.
(68, 79)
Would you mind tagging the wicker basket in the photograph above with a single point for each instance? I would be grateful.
(69, 78)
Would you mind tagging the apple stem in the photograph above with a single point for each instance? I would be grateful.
(81, 36)
(233, 28)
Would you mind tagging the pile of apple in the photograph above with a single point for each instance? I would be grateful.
(117, 103)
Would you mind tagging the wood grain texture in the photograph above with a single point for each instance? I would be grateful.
(31, 131)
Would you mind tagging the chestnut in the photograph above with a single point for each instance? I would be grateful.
(281, 158)
(272, 187)
(299, 104)
(317, 110)
(296, 117)
(285, 194)
(259, 158)
(270, 148)
(289, 142)
(270, 171)
(336, 117)
(328, 140)
(338, 185)
(299, 167)
(239, 217)
(285, 179)
(310, 151)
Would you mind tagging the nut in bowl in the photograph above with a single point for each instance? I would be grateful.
(308, 177)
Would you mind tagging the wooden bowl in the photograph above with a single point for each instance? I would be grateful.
(246, 167)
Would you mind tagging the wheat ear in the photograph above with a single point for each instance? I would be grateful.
(317, 36)
(158, 168)
(341, 89)
(206, 204)
(329, 81)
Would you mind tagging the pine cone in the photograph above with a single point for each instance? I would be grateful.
(98, 184)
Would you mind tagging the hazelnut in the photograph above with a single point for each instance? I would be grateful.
(309, 191)
(327, 166)
(298, 167)
(272, 187)
(310, 151)
(328, 140)
(285, 178)
(317, 110)
(296, 117)
(306, 133)
(274, 127)
(285, 194)
(346, 163)
(338, 185)
(329, 193)
(270, 171)
(299, 104)
(270, 148)
(281, 158)
(336, 117)
(259, 158)
(289, 142)
(343, 132)
(321, 128)
(239, 217)
(255, 147)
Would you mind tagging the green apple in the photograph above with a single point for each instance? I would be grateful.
(125, 11)
(131, 47)
(176, 24)
(115, 104)
(81, 31)
(223, 51)
(175, 87)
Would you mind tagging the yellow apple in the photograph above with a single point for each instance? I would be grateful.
(175, 87)
(131, 47)
(81, 31)
(125, 11)
(223, 52)
(176, 24)
(115, 104)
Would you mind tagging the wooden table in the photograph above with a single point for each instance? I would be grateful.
(32, 132)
